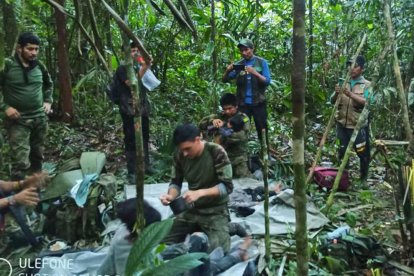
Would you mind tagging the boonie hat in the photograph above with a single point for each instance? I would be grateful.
(245, 42)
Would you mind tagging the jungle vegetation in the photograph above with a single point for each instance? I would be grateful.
(191, 43)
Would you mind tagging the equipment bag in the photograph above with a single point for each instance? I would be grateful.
(325, 177)
(113, 89)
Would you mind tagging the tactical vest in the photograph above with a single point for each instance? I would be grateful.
(258, 87)
(348, 110)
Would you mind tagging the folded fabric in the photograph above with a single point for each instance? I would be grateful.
(82, 193)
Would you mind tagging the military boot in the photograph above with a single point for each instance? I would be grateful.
(132, 178)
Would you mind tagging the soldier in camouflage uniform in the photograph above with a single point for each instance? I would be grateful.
(26, 97)
(234, 144)
(208, 172)
(15, 194)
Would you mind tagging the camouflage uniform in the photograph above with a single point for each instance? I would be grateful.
(209, 214)
(235, 144)
(25, 89)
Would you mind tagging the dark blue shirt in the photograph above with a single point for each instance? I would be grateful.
(265, 73)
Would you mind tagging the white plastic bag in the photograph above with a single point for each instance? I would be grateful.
(149, 80)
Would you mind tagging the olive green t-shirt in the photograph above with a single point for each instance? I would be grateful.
(205, 171)
(25, 89)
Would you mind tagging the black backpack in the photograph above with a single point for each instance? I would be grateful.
(113, 89)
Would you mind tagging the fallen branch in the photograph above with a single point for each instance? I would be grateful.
(343, 212)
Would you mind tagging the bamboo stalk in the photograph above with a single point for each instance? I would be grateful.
(124, 27)
(332, 117)
(179, 17)
(362, 117)
(266, 196)
(397, 72)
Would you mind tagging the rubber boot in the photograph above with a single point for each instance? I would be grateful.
(147, 165)
(131, 159)
(132, 178)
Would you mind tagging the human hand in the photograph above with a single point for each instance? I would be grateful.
(28, 197)
(37, 180)
(47, 107)
(229, 67)
(166, 199)
(192, 196)
(337, 89)
(217, 123)
(347, 92)
(12, 113)
(251, 70)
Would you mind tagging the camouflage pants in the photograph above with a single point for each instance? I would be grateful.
(27, 138)
(214, 222)
(239, 166)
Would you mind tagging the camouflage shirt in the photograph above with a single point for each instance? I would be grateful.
(235, 144)
(209, 169)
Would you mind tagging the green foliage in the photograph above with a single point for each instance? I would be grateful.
(142, 258)
(141, 252)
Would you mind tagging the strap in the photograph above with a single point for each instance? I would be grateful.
(18, 216)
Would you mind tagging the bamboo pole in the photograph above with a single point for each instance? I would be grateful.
(397, 72)
(332, 117)
(266, 196)
(179, 17)
(124, 27)
(362, 117)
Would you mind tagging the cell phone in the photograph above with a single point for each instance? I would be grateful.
(239, 67)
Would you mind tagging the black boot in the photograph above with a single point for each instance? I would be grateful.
(148, 168)
(131, 159)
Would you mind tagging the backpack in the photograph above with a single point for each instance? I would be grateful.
(353, 250)
(66, 220)
(113, 89)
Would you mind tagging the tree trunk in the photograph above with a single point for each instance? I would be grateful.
(11, 31)
(213, 40)
(132, 76)
(94, 25)
(401, 93)
(2, 45)
(188, 17)
(298, 108)
(64, 79)
(310, 46)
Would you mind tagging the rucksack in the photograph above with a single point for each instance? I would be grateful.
(353, 250)
(66, 220)
(113, 89)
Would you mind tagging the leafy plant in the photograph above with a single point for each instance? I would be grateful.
(143, 260)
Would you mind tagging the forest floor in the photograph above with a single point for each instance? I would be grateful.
(369, 209)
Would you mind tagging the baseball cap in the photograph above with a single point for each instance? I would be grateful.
(246, 43)
(360, 61)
